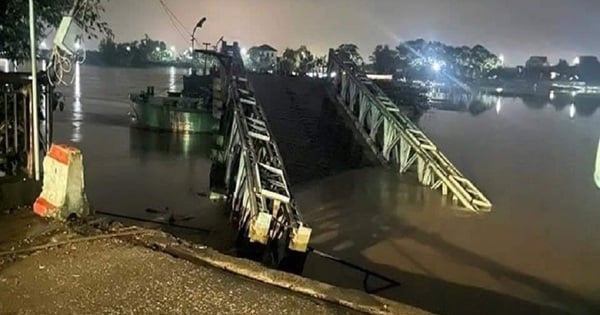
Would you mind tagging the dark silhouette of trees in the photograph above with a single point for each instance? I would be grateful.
(14, 24)
(136, 53)
(385, 60)
(351, 50)
(301, 61)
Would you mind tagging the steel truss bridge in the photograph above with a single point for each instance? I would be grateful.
(394, 138)
(253, 179)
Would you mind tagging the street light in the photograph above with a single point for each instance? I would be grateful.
(436, 66)
(501, 57)
(173, 48)
(198, 25)
(157, 49)
(128, 48)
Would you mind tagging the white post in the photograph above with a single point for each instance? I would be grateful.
(34, 98)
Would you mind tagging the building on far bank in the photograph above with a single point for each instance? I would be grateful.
(588, 68)
(262, 58)
(537, 62)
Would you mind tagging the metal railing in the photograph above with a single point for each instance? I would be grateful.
(17, 125)
(394, 138)
(261, 197)
(253, 177)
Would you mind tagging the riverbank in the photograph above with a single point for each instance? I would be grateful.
(100, 266)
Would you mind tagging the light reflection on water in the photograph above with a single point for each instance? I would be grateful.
(477, 103)
(172, 79)
(129, 170)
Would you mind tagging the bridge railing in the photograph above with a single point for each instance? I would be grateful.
(394, 138)
(17, 124)
(255, 177)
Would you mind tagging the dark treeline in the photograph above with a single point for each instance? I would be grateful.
(138, 53)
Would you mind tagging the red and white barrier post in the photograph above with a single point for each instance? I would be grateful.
(63, 192)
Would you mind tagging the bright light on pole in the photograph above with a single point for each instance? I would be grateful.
(576, 61)
(436, 66)
(128, 48)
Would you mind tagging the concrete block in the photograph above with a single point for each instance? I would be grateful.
(63, 193)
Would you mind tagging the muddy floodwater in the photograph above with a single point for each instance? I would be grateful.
(537, 252)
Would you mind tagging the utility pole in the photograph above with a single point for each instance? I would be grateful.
(206, 45)
(34, 96)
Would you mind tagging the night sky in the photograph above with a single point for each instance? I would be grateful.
(515, 28)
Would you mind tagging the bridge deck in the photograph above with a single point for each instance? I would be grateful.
(312, 138)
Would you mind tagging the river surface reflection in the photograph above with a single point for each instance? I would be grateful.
(534, 158)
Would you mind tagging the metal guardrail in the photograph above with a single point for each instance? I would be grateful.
(17, 124)
(394, 138)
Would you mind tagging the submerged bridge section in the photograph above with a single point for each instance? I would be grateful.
(253, 181)
(394, 138)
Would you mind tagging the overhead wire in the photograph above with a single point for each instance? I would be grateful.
(174, 20)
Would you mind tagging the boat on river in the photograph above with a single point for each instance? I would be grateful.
(195, 109)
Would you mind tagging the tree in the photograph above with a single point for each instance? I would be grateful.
(351, 51)
(14, 25)
(422, 60)
(385, 60)
(306, 60)
(289, 61)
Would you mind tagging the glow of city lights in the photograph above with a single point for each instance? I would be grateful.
(436, 66)
(572, 111)
(576, 61)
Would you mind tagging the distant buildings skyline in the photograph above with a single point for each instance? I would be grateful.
(515, 28)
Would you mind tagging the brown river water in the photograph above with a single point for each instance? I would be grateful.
(537, 252)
